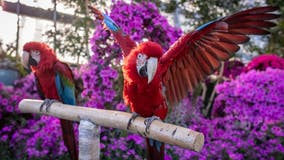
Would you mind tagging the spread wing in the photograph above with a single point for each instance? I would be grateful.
(197, 54)
(65, 83)
(124, 41)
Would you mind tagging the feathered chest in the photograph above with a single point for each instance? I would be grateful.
(137, 90)
(46, 84)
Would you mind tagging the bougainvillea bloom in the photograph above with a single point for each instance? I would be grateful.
(264, 61)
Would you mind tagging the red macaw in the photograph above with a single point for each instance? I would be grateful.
(54, 81)
(153, 79)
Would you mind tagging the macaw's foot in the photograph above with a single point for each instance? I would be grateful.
(148, 121)
(133, 117)
(47, 103)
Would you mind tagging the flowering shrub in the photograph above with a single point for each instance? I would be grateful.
(98, 83)
(11, 122)
(119, 144)
(249, 114)
(247, 119)
(263, 61)
(143, 20)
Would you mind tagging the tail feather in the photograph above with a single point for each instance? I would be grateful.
(155, 149)
(69, 138)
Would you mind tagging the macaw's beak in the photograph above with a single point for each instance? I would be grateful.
(25, 60)
(152, 65)
(28, 61)
(148, 69)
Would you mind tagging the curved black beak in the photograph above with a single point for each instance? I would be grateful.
(149, 69)
(28, 61)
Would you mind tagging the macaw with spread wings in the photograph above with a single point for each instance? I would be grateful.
(153, 79)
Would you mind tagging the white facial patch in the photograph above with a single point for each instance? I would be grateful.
(25, 59)
(35, 55)
(140, 61)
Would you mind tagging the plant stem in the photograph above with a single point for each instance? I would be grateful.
(209, 104)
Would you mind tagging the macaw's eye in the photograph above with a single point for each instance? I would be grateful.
(35, 55)
(139, 56)
(141, 59)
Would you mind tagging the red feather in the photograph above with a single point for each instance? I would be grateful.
(201, 51)
(142, 97)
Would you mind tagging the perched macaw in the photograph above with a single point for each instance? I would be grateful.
(153, 79)
(54, 80)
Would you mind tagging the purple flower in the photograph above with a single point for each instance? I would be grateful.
(4, 101)
(136, 138)
(109, 95)
(107, 82)
(4, 138)
(233, 68)
(102, 146)
(277, 131)
(120, 107)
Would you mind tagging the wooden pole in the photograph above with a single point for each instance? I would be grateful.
(54, 24)
(18, 30)
(158, 130)
(36, 12)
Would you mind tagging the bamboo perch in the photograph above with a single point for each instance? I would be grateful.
(158, 130)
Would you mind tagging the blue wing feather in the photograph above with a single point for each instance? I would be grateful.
(64, 82)
(207, 24)
(65, 91)
(110, 23)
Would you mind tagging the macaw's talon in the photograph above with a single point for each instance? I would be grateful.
(148, 121)
(42, 105)
(133, 117)
(47, 103)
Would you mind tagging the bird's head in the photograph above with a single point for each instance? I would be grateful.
(145, 60)
(36, 55)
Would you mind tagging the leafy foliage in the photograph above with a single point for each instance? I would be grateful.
(198, 12)
(72, 39)
(276, 41)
